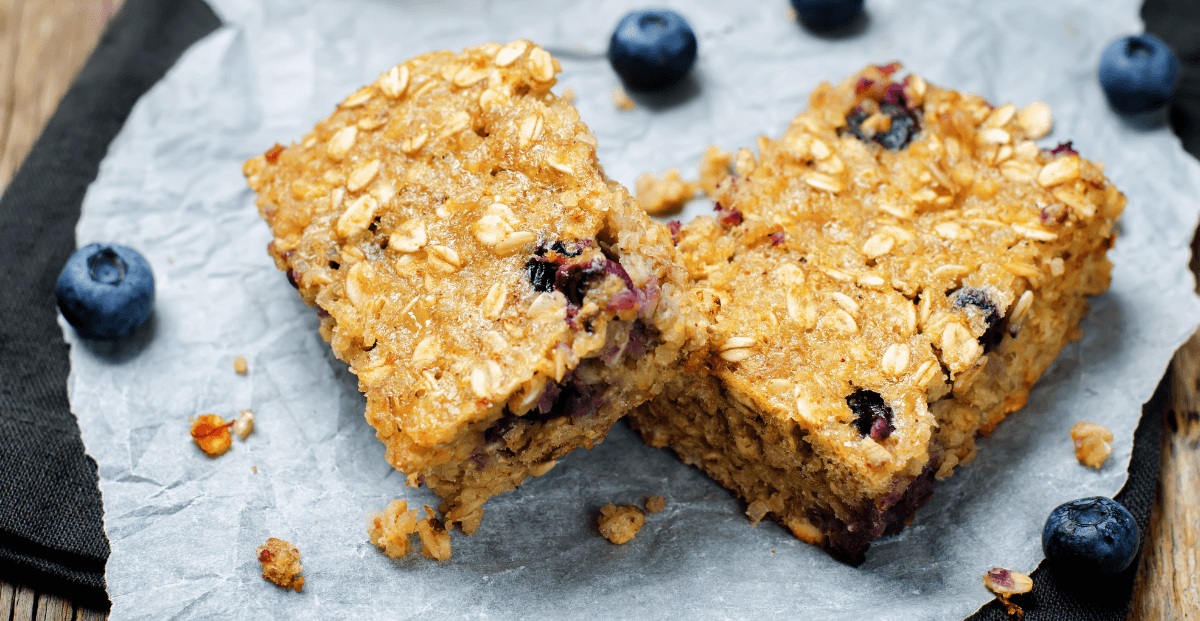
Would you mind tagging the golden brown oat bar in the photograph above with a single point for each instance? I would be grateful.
(894, 274)
(500, 301)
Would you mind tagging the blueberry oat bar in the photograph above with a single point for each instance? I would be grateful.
(499, 299)
(894, 274)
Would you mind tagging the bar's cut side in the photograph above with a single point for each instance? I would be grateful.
(500, 301)
(894, 274)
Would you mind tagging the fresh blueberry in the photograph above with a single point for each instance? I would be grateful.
(1138, 74)
(827, 14)
(652, 49)
(106, 291)
(1092, 535)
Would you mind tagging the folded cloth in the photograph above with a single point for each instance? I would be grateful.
(51, 528)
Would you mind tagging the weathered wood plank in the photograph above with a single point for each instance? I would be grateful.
(87, 614)
(44, 43)
(54, 608)
(1167, 585)
(23, 606)
(7, 598)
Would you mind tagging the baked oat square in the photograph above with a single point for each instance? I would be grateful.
(894, 274)
(499, 299)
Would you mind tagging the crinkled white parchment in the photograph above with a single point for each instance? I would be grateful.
(184, 527)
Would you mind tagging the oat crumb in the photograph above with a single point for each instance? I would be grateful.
(389, 529)
(665, 195)
(656, 504)
(714, 168)
(281, 563)
(254, 469)
(211, 433)
(1093, 443)
(435, 539)
(243, 426)
(621, 100)
(239, 365)
(569, 95)
(1006, 583)
(620, 524)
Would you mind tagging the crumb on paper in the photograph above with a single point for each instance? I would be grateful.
(620, 524)
(211, 433)
(714, 168)
(281, 563)
(621, 99)
(1093, 443)
(239, 365)
(656, 504)
(435, 539)
(254, 469)
(1006, 583)
(790, 14)
(243, 425)
(569, 95)
(389, 529)
(660, 196)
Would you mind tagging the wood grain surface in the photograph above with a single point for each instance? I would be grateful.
(43, 43)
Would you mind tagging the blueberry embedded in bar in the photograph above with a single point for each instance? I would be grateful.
(500, 300)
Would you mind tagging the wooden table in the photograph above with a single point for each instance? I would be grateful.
(46, 41)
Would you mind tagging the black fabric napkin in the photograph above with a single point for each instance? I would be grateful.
(51, 530)
(51, 533)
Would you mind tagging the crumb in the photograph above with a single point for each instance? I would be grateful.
(661, 196)
(239, 365)
(569, 95)
(244, 425)
(714, 168)
(1005, 583)
(622, 100)
(655, 504)
(1093, 443)
(389, 529)
(211, 433)
(790, 14)
(171, 260)
(254, 468)
(435, 539)
(281, 563)
(620, 524)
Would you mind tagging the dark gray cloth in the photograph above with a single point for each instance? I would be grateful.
(51, 534)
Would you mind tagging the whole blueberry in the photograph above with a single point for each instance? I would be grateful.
(652, 49)
(827, 14)
(106, 291)
(1093, 535)
(1138, 74)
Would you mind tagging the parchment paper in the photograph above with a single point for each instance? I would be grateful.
(184, 527)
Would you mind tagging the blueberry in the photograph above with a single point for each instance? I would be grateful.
(652, 49)
(872, 416)
(827, 14)
(1092, 535)
(1138, 74)
(106, 291)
